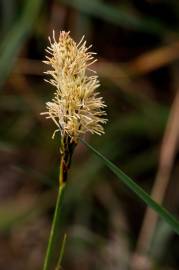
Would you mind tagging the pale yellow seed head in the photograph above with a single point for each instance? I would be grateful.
(76, 107)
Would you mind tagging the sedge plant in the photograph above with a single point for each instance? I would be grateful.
(76, 108)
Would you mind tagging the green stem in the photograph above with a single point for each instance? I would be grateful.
(59, 263)
(66, 150)
(52, 243)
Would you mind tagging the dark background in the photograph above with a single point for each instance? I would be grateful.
(137, 42)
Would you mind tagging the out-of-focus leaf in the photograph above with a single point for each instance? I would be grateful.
(8, 14)
(117, 16)
(162, 212)
(16, 37)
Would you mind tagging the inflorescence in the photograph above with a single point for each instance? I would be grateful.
(76, 107)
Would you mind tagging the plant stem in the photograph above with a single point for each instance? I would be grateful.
(66, 150)
(52, 243)
(59, 263)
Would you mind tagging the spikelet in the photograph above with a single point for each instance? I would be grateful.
(76, 107)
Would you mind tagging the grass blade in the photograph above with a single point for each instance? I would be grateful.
(162, 212)
(16, 37)
(62, 250)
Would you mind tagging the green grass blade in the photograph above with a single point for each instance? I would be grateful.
(162, 212)
(62, 250)
(16, 37)
(8, 14)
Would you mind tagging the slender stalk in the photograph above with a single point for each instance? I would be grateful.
(66, 150)
(62, 249)
(52, 243)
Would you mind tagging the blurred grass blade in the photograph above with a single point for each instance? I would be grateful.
(163, 213)
(119, 17)
(16, 37)
(8, 9)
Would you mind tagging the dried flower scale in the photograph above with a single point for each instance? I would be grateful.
(76, 107)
